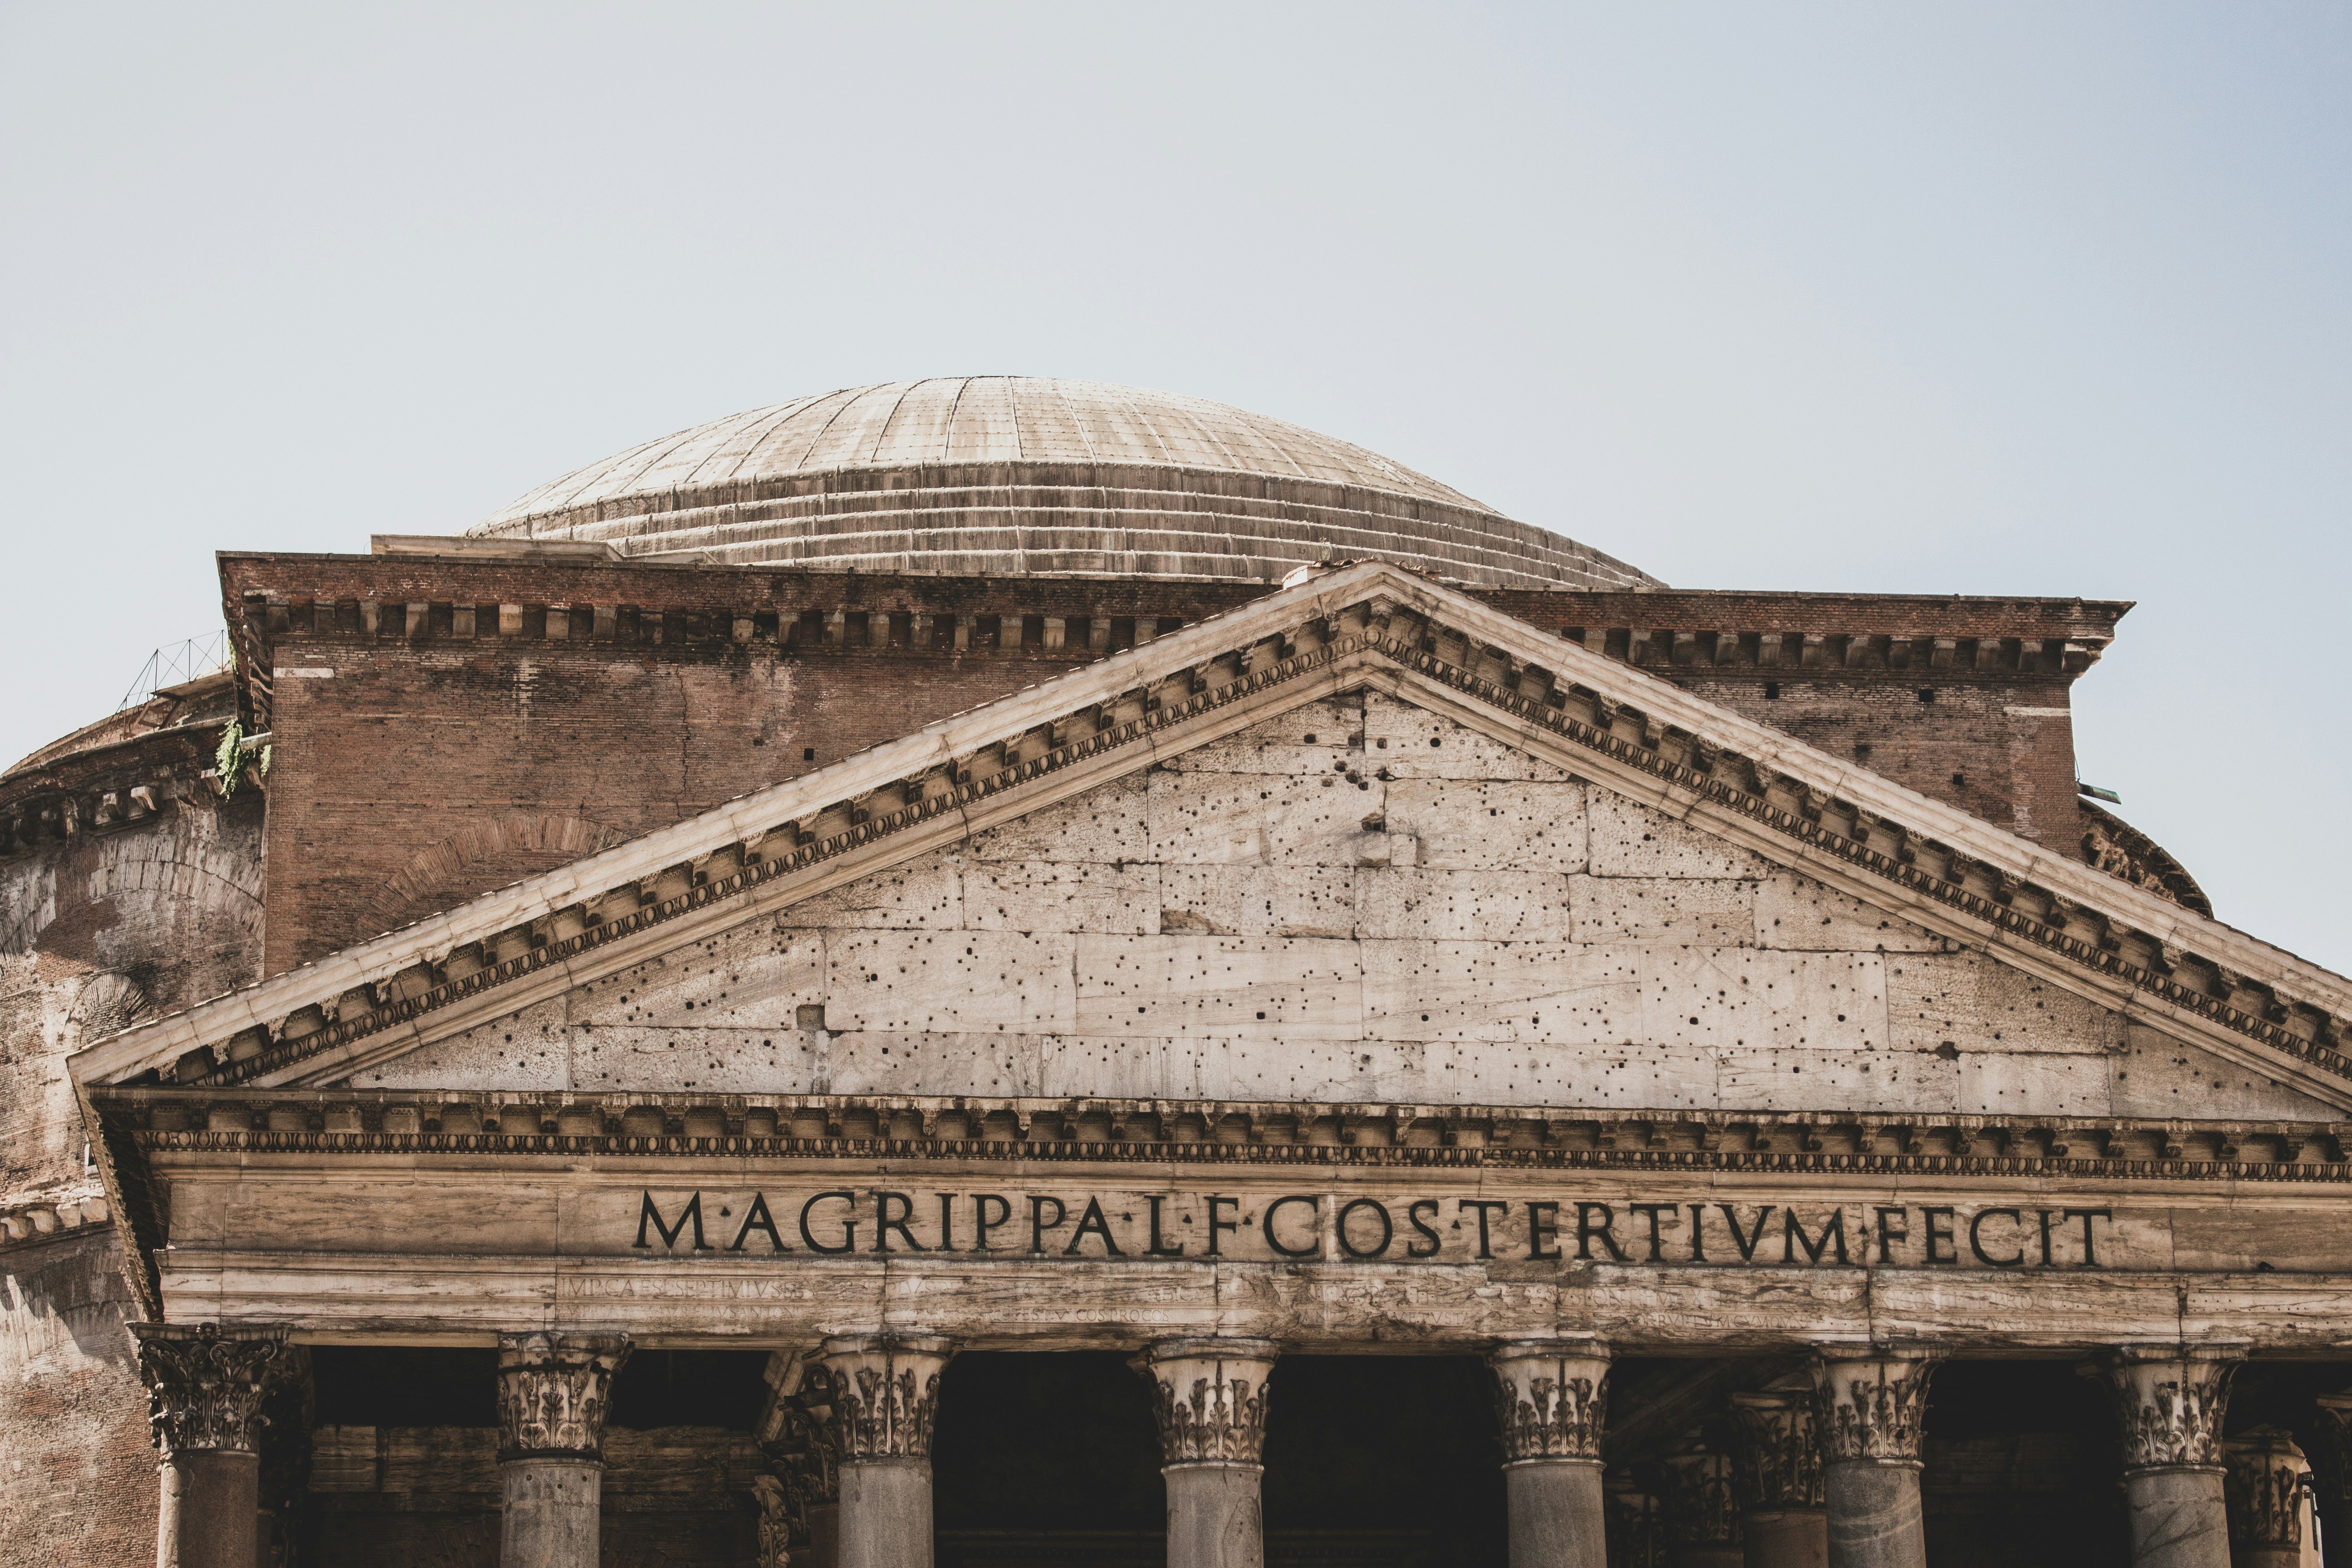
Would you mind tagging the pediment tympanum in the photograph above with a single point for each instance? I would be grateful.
(1355, 901)
(1542, 851)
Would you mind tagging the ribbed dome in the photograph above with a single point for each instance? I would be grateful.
(1004, 474)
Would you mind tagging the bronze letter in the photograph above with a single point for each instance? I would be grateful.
(1388, 1229)
(758, 1218)
(669, 1233)
(1039, 1225)
(884, 1224)
(1217, 1225)
(1423, 1208)
(848, 1227)
(980, 1213)
(1266, 1225)
(1543, 1226)
(1976, 1242)
(1157, 1247)
(1586, 1231)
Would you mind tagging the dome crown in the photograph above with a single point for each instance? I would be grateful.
(1021, 474)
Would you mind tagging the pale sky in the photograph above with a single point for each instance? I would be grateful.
(2032, 298)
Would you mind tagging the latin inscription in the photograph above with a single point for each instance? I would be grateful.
(1259, 1227)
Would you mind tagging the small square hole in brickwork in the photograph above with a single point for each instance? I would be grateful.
(1771, 691)
(1927, 694)
(808, 753)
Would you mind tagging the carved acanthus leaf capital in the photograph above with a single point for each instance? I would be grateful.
(1209, 1398)
(553, 1392)
(2264, 1489)
(1777, 1464)
(1697, 1504)
(1871, 1403)
(2169, 1401)
(1551, 1399)
(206, 1384)
(881, 1394)
(1630, 1527)
(2331, 1451)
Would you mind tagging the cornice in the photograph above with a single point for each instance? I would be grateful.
(344, 1124)
(1371, 624)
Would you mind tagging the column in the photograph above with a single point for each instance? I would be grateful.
(2169, 1404)
(1209, 1398)
(1870, 1402)
(206, 1385)
(2263, 1492)
(1552, 1397)
(882, 1399)
(553, 1390)
(1697, 1515)
(2333, 1476)
(1777, 1472)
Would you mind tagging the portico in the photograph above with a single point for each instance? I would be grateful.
(1150, 1016)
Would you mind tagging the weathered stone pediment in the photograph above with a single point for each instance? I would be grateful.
(1367, 841)
(1356, 901)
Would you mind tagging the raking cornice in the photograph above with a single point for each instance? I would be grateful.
(1368, 626)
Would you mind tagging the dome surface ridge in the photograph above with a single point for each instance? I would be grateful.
(1001, 475)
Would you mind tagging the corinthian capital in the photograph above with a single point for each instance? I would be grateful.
(2264, 1489)
(553, 1389)
(1696, 1507)
(205, 1383)
(1870, 1402)
(2169, 1402)
(882, 1395)
(1552, 1398)
(2331, 1451)
(1777, 1462)
(1209, 1398)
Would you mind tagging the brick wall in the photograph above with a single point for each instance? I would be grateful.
(77, 1475)
(444, 727)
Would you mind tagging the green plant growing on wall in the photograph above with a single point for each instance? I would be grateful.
(234, 756)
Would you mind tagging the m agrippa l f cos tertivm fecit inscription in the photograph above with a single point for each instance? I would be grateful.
(1341, 1227)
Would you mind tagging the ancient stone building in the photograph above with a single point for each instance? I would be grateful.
(995, 972)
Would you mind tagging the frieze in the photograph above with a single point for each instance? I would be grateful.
(1208, 1399)
(553, 1392)
(2170, 1403)
(206, 1384)
(1356, 1226)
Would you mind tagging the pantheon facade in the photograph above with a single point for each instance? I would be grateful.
(997, 971)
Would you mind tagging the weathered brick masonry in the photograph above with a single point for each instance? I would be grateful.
(443, 726)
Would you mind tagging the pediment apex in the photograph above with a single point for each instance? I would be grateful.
(1367, 624)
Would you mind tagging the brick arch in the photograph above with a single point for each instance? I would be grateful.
(479, 856)
(183, 866)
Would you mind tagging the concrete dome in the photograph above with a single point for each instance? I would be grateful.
(1005, 475)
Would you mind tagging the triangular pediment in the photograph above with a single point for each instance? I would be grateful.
(1369, 840)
